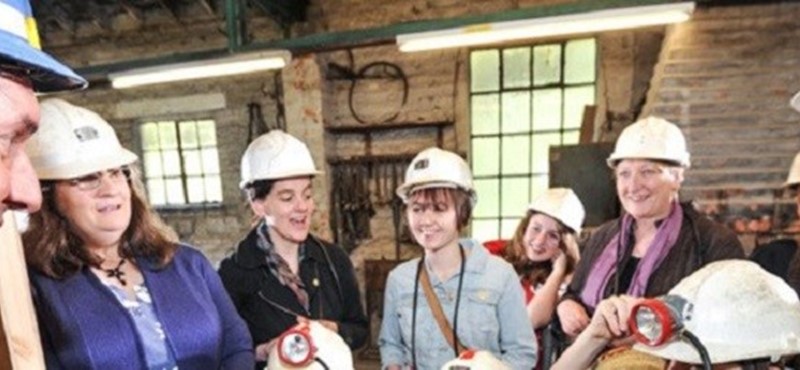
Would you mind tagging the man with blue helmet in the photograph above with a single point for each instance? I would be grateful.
(24, 70)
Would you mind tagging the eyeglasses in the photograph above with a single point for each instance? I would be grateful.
(95, 180)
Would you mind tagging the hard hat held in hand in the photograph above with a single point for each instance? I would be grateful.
(475, 360)
(794, 173)
(73, 142)
(276, 155)
(310, 346)
(437, 168)
(561, 204)
(738, 311)
(651, 138)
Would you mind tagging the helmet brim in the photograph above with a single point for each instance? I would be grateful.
(46, 73)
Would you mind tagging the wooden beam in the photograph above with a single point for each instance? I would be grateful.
(20, 331)
(132, 11)
(209, 7)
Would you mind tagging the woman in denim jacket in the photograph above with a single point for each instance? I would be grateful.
(479, 294)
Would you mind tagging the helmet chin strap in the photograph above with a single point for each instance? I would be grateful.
(322, 363)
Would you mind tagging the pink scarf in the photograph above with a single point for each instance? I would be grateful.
(606, 264)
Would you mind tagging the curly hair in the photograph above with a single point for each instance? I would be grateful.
(536, 272)
(53, 249)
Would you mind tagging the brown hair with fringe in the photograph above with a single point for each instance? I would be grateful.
(536, 272)
(53, 249)
(461, 201)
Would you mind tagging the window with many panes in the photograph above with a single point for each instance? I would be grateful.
(181, 162)
(523, 100)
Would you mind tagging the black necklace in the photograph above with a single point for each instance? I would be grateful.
(117, 272)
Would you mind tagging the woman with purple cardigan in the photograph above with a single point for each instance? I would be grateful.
(112, 288)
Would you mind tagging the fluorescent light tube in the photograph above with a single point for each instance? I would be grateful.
(215, 67)
(595, 21)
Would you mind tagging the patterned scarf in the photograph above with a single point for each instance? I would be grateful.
(606, 264)
(278, 266)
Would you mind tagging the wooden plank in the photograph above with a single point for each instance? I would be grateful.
(20, 331)
(587, 124)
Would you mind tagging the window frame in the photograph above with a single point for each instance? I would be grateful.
(498, 213)
(176, 119)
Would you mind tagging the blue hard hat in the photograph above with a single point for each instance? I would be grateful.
(18, 40)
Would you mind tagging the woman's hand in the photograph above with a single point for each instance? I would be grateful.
(263, 349)
(610, 320)
(573, 317)
(559, 264)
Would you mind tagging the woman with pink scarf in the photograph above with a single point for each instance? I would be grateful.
(657, 241)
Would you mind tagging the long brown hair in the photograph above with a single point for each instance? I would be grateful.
(53, 249)
(536, 272)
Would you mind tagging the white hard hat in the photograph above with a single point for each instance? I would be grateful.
(475, 360)
(437, 168)
(795, 102)
(794, 172)
(738, 311)
(561, 204)
(309, 346)
(72, 142)
(276, 155)
(651, 138)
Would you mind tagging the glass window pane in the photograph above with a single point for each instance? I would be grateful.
(539, 183)
(516, 112)
(546, 109)
(488, 197)
(213, 189)
(485, 230)
(485, 70)
(570, 137)
(191, 162)
(541, 151)
(167, 135)
(156, 192)
(188, 135)
(175, 191)
(546, 64)
(515, 149)
(579, 61)
(575, 101)
(507, 227)
(210, 161)
(485, 114)
(207, 132)
(149, 136)
(171, 161)
(152, 165)
(516, 67)
(195, 186)
(485, 156)
(514, 194)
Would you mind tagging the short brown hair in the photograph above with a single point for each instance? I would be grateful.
(53, 249)
(461, 201)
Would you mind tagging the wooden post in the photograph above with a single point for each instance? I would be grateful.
(21, 348)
